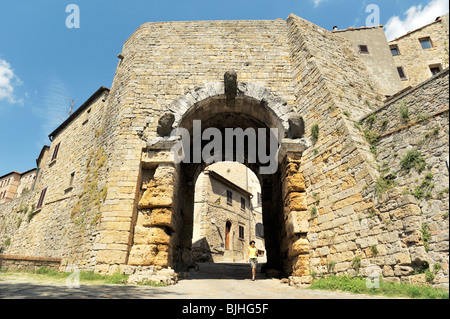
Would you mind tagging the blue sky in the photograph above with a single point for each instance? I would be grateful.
(43, 64)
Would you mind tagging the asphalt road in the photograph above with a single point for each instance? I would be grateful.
(212, 281)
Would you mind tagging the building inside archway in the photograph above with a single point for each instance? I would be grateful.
(227, 214)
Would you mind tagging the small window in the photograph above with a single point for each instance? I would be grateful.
(401, 73)
(229, 198)
(363, 49)
(435, 69)
(86, 119)
(394, 50)
(259, 199)
(55, 152)
(41, 198)
(242, 203)
(241, 232)
(426, 43)
(72, 177)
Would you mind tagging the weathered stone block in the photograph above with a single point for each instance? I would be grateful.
(147, 255)
(157, 235)
(111, 257)
(405, 211)
(164, 176)
(402, 258)
(400, 271)
(157, 197)
(301, 246)
(296, 202)
(294, 183)
(297, 223)
(300, 265)
(419, 255)
(163, 217)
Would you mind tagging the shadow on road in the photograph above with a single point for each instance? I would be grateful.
(10, 290)
(235, 271)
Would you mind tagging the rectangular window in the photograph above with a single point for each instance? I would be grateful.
(401, 73)
(394, 50)
(41, 198)
(72, 177)
(241, 232)
(259, 199)
(55, 152)
(86, 119)
(435, 69)
(229, 198)
(363, 49)
(426, 43)
(242, 203)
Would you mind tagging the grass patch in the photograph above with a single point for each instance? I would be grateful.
(315, 132)
(88, 277)
(414, 159)
(385, 183)
(404, 113)
(358, 285)
(372, 138)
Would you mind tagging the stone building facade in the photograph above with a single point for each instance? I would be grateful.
(111, 195)
(12, 185)
(224, 219)
(371, 45)
(8, 186)
(422, 53)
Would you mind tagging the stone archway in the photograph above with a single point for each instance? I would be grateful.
(164, 225)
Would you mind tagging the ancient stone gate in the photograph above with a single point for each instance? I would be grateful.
(339, 201)
(163, 233)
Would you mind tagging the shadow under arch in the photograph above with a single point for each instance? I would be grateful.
(255, 107)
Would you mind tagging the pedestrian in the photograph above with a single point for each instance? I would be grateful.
(252, 256)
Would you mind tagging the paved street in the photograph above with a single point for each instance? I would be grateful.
(213, 281)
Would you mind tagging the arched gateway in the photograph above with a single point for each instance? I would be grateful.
(243, 114)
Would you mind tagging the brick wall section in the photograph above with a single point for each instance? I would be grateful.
(403, 214)
(17, 262)
(339, 167)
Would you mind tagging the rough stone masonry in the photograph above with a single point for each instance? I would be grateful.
(340, 202)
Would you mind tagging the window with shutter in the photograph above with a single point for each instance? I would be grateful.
(41, 198)
(55, 152)
(229, 198)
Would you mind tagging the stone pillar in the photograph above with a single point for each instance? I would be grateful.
(157, 218)
(295, 208)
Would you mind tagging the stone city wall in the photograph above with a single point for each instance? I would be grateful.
(67, 224)
(411, 142)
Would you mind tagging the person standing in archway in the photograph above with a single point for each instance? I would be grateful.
(252, 256)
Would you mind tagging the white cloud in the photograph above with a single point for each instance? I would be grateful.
(317, 2)
(416, 17)
(8, 80)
